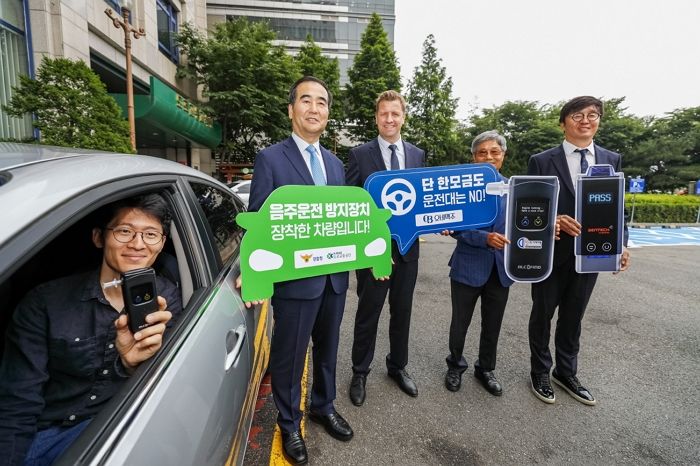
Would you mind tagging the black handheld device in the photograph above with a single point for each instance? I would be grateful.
(530, 227)
(140, 296)
(600, 200)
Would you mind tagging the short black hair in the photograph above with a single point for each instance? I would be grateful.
(152, 204)
(293, 89)
(579, 103)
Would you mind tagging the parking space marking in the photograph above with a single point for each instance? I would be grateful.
(686, 236)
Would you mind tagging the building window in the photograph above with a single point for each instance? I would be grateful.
(115, 6)
(297, 29)
(167, 28)
(14, 62)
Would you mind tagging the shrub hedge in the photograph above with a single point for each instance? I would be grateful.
(663, 208)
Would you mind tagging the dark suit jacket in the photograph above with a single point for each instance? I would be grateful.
(367, 159)
(472, 260)
(282, 164)
(552, 162)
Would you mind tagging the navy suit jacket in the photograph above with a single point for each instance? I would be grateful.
(282, 164)
(367, 159)
(472, 260)
(552, 162)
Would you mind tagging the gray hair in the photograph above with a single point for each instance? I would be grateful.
(488, 136)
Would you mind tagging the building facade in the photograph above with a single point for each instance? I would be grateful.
(335, 25)
(168, 122)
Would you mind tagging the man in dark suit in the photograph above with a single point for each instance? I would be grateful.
(565, 288)
(386, 152)
(477, 271)
(310, 308)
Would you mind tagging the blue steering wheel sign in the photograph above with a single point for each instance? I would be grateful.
(430, 200)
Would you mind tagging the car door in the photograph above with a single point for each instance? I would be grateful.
(191, 414)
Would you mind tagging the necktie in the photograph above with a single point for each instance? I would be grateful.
(394, 158)
(316, 170)
(584, 162)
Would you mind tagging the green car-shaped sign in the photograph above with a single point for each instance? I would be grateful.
(307, 231)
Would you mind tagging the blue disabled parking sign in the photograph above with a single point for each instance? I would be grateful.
(637, 185)
(430, 200)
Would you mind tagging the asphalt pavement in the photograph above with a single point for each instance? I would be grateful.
(640, 357)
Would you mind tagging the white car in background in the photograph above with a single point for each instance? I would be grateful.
(241, 188)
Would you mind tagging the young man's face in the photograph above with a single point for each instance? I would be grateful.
(133, 254)
(583, 130)
(390, 118)
(309, 113)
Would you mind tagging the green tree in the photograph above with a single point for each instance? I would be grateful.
(246, 80)
(528, 127)
(71, 107)
(670, 155)
(311, 62)
(374, 70)
(432, 108)
(684, 124)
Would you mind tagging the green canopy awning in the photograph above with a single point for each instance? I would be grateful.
(166, 109)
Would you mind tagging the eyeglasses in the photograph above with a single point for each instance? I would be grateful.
(126, 235)
(486, 153)
(578, 117)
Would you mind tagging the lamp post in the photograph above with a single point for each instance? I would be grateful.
(129, 30)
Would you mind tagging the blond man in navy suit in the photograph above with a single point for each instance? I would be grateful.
(387, 152)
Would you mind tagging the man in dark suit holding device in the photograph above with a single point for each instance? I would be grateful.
(565, 288)
(386, 152)
(309, 308)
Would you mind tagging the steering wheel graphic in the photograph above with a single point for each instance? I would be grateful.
(399, 201)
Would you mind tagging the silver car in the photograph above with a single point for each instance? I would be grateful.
(193, 402)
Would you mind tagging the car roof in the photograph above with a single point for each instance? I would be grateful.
(15, 154)
(36, 179)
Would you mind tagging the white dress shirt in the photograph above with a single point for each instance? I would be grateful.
(573, 159)
(386, 152)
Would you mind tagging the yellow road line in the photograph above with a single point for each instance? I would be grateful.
(276, 454)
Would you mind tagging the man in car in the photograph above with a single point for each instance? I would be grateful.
(310, 308)
(69, 348)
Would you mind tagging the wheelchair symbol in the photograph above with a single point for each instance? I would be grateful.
(399, 201)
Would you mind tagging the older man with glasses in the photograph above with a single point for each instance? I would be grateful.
(477, 272)
(566, 289)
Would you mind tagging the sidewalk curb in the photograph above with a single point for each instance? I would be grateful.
(664, 225)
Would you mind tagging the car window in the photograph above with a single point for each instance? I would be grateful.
(243, 188)
(220, 209)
